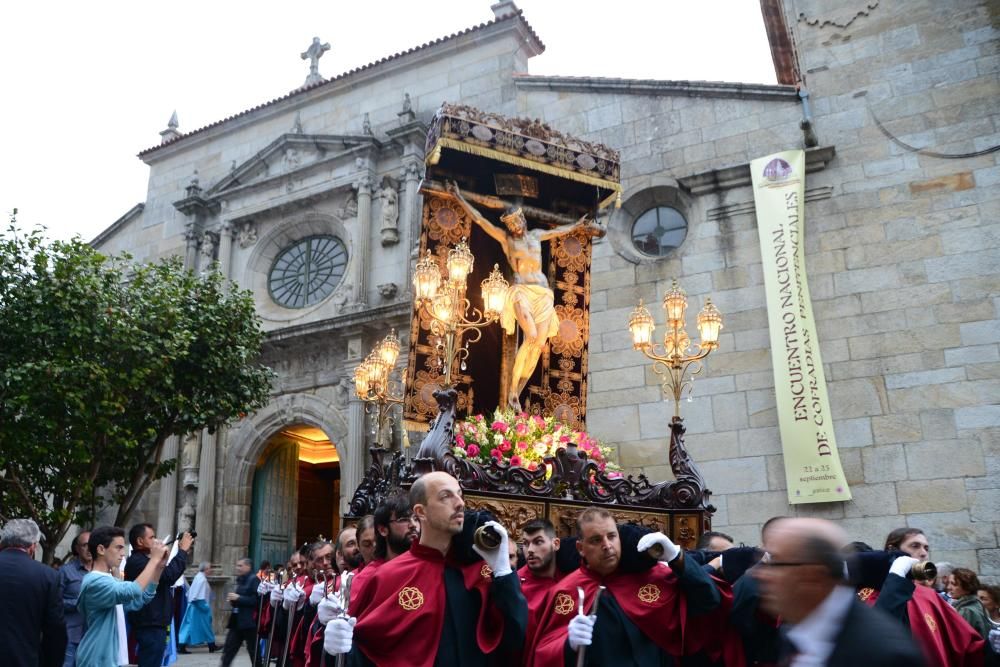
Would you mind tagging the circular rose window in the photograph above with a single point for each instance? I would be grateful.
(658, 231)
(307, 272)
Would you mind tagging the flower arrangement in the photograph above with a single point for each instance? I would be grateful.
(523, 440)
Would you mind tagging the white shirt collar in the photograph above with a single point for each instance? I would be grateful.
(814, 636)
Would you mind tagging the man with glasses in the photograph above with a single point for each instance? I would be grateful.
(70, 577)
(802, 581)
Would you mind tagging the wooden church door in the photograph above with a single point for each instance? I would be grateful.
(275, 505)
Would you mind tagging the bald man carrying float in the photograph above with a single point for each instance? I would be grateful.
(428, 606)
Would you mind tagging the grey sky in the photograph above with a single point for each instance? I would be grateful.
(88, 85)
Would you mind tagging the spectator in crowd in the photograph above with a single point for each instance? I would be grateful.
(962, 588)
(242, 628)
(802, 581)
(990, 597)
(32, 629)
(104, 600)
(943, 580)
(714, 541)
(151, 622)
(196, 628)
(911, 541)
(70, 577)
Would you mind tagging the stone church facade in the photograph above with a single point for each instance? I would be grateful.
(902, 253)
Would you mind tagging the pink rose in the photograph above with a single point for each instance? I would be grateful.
(459, 440)
(499, 426)
(495, 453)
(472, 450)
(532, 466)
(539, 421)
(505, 446)
(564, 439)
(522, 445)
(521, 428)
(515, 460)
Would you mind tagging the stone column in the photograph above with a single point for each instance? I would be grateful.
(205, 516)
(409, 213)
(190, 248)
(166, 512)
(364, 188)
(225, 247)
(352, 461)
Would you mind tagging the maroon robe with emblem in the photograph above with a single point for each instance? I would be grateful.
(403, 611)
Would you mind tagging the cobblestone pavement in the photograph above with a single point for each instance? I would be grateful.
(200, 657)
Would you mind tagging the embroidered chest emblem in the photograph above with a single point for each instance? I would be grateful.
(485, 571)
(649, 593)
(931, 624)
(410, 598)
(865, 593)
(563, 604)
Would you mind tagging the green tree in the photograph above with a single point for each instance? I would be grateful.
(101, 361)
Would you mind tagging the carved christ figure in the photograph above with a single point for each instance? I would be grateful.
(530, 300)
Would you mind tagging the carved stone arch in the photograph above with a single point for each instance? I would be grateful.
(245, 443)
(278, 237)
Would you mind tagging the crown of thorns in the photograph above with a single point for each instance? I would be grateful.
(512, 214)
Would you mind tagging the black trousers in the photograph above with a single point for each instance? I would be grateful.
(234, 638)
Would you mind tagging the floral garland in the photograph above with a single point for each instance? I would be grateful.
(523, 440)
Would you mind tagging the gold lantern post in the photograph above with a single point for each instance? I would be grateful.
(673, 359)
(453, 320)
(374, 385)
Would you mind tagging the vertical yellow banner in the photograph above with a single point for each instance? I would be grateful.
(812, 464)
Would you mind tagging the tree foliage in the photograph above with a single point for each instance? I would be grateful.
(101, 361)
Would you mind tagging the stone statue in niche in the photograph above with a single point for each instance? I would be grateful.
(291, 159)
(350, 209)
(208, 248)
(390, 215)
(247, 235)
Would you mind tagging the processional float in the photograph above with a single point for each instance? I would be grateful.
(501, 318)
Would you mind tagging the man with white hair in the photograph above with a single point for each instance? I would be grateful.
(32, 629)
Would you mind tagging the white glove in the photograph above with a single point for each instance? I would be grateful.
(264, 588)
(995, 640)
(329, 608)
(670, 550)
(339, 635)
(498, 559)
(317, 594)
(292, 597)
(276, 595)
(901, 566)
(581, 631)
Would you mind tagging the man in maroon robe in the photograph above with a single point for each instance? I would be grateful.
(539, 574)
(432, 606)
(640, 617)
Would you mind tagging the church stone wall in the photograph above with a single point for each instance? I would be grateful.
(903, 259)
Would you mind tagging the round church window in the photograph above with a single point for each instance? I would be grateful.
(308, 271)
(659, 230)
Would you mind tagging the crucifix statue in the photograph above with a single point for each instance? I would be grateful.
(530, 300)
(313, 54)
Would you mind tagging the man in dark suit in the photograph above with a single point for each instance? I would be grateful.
(802, 580)
(242, 624)
(32, 629)
(150, 623)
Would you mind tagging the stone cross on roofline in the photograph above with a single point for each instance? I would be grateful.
(313, 54)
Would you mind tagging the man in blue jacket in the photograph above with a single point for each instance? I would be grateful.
(150, 624)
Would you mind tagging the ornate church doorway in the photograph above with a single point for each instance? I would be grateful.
(296, 493)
